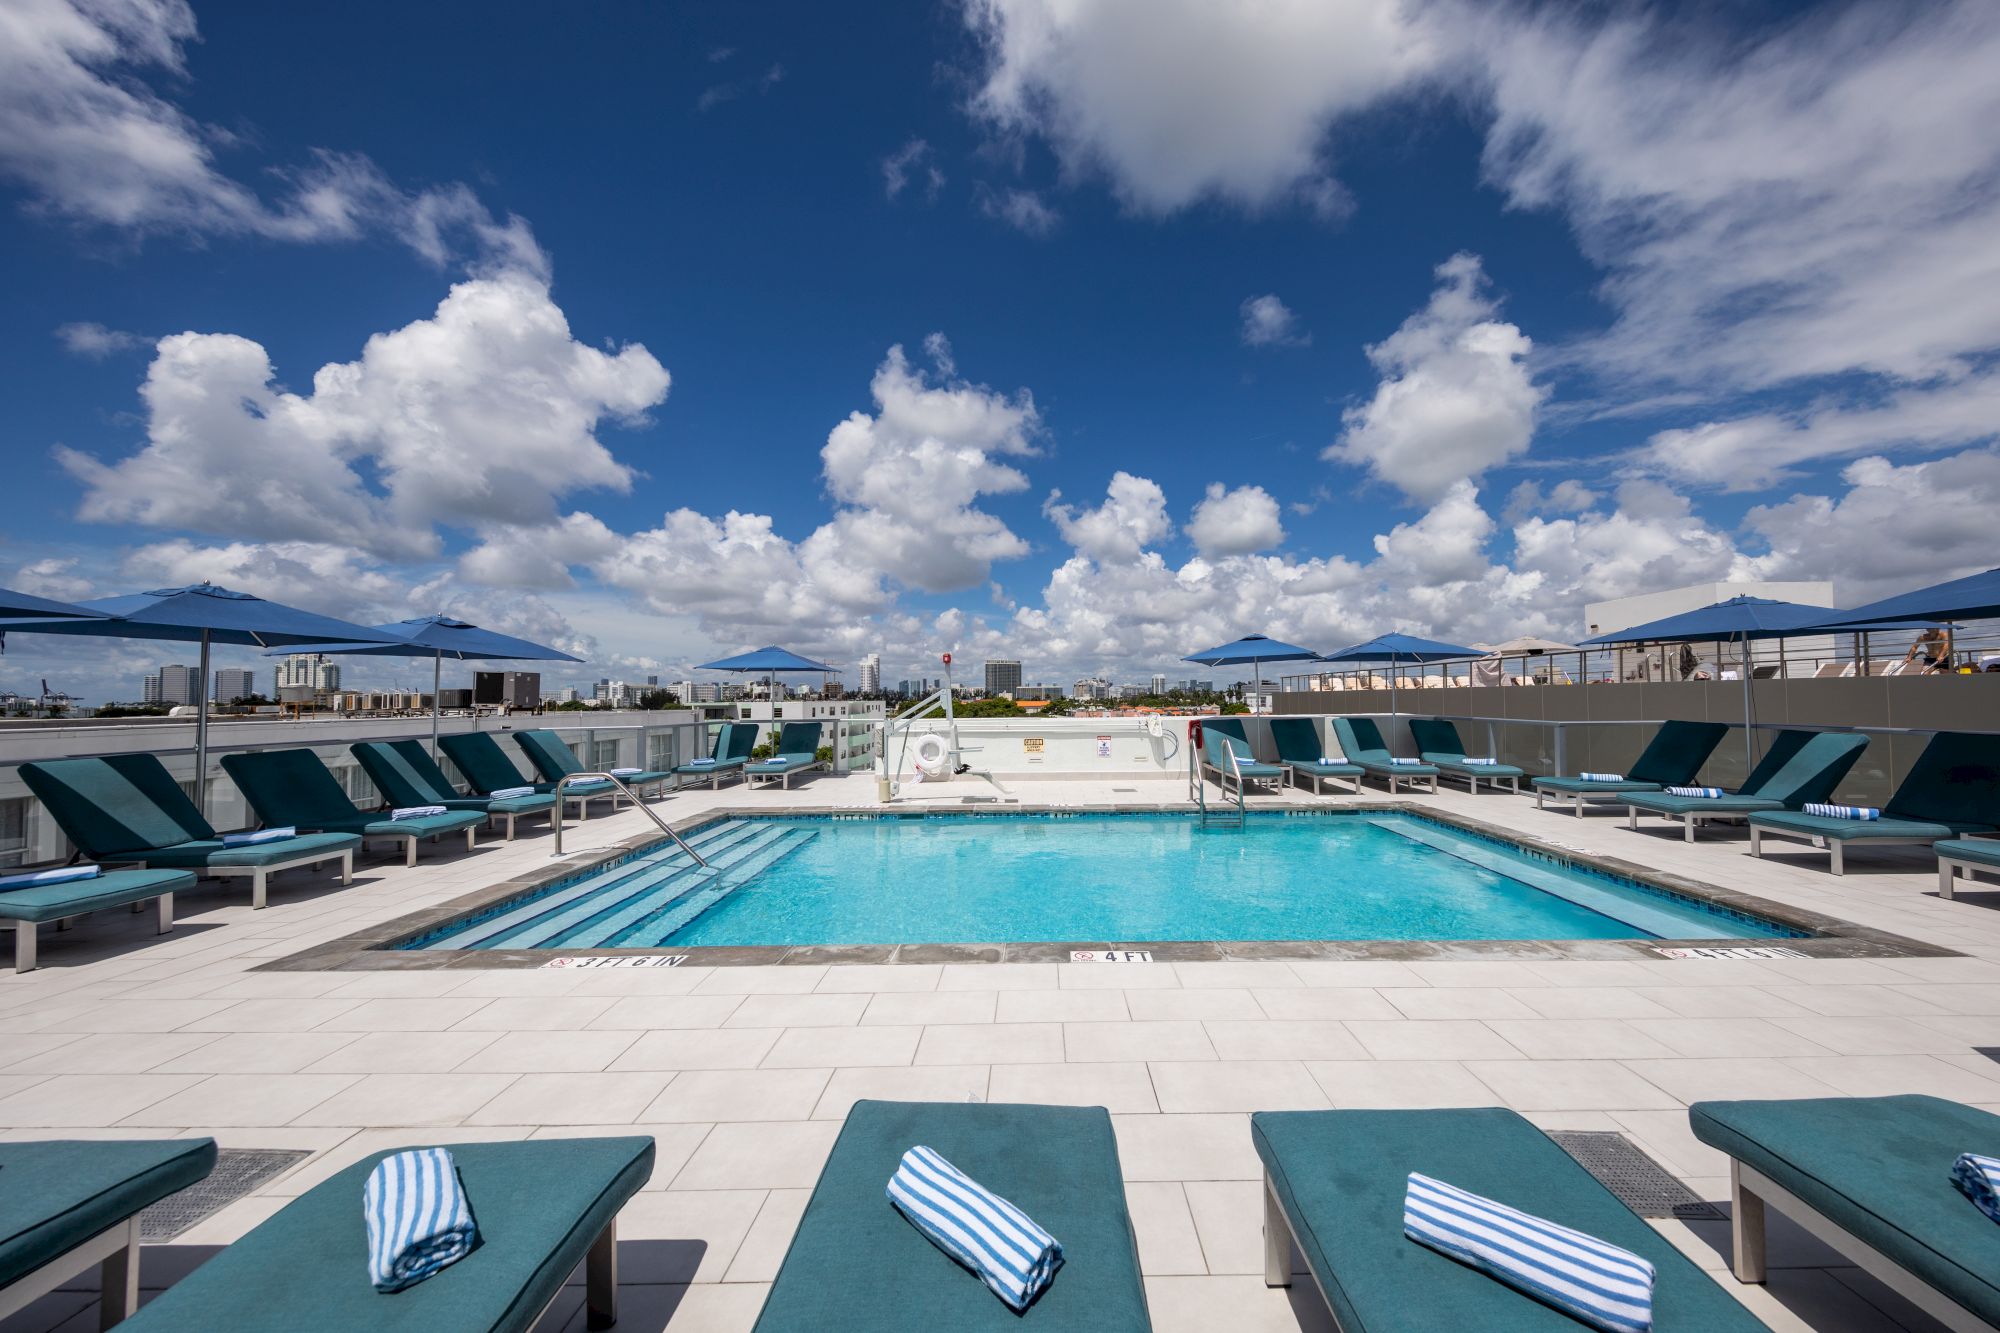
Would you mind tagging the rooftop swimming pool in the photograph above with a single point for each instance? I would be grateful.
(941, 878)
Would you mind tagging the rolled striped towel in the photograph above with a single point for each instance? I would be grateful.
(59, 875)
(1471, 760)
(1602, 777)
(1705, 793)
(1324, 760)
(418, 1219)
(1400, 762)
(1003, 1245)
(261, 835)
(509, 793)
(1842, 811)
(417, 811)
(1978, 1179)
(1587, 1279)
(702, 762)
(625, 772)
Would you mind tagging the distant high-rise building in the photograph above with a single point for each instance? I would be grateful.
(310, 673)
(1030, 693)
(1002, 676)
(1159, 683)
(1092, 687)
(234, 683)
(172, 685)
(568, 694)
(871, 674)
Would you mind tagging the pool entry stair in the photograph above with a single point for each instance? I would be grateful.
(643, 900)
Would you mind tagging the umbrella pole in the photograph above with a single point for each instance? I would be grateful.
(437, 699)
(1743, 659)
(201, 732)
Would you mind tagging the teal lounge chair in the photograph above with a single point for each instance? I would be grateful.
(406, 775)
(1302, 751)
(293, 788)
(68, 1204)
(1952, 789)
(855, 1263)
(795, 751)
(731, 751)
(1965, 856)
(489, 769)
(1673, 758)
(1225, 751)
(555, 761)
(542, 1207)
(126, 808)
(1361, 743)
(1438, 744)
(1800, 768)
(1871, 1177)
(1334, 1183)
(31, 906)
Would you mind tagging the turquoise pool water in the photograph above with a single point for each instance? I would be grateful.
(1087, 878)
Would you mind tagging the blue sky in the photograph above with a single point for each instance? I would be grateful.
(1318, 319)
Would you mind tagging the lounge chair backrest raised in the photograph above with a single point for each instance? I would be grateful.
(289, 787)
(400, 778)
(485, 765)
(1436, 736)
(1804, 766)
(1676, 753)
(1361, 740)
(116, 803)
(546, 751)
(797, 738)
(1956, 780)
(1298, 740)
(742, 740)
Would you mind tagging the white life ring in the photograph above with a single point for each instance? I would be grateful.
(932, 755)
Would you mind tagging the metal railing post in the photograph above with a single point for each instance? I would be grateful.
(563, 783)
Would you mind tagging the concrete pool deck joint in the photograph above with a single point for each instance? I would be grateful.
(377, 948)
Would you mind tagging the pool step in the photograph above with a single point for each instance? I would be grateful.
(671, 917)
(634, 875)
(602, 927)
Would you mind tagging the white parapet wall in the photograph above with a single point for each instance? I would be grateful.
(1055, 748)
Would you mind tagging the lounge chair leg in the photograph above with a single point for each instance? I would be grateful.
(347, 867)
(470, 833)
(1277, 1240)
(1687, 828)
(1538, 798)
(119, 1297)
(1632, 817)
(410, 852)
(257, 894)
(600, 1278)
(1746, 1228)
(1756, 841)
(1834, 848)
(166, 910)
(1579, 806)
(24, 946)
(1944, 879)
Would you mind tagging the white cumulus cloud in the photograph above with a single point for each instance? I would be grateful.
(1269, 322)
(1235, 522)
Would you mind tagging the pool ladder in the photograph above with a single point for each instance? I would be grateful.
(1223, 816)
(556, 815)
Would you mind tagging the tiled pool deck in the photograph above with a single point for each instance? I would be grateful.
(742, 1073)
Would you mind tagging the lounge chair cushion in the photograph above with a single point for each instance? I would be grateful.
(116, 803)
(539, 1205)
(1800, 767)
(1341, 1177)
(210, 852)
(1319, 770)
(855, 1263)
(1666, 803)
(1301, 749)
(797, 738)
(485, 765)
(1438, 743)
(1984, 852)
(1672, 758)
(1854, 830)
(1361, 742)
(1579, 787)
(1880, 1167)
(1955, 782)
(114, 888)
(1458, 764)
(58, 1194)
(294, 787)
(423, 826)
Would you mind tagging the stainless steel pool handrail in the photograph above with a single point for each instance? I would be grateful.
(630, 795)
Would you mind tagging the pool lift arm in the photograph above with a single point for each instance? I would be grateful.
(944, 757)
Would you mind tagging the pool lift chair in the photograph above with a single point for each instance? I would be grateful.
(940, 756)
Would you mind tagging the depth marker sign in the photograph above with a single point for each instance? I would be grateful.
(620, 960)
(1111, 955)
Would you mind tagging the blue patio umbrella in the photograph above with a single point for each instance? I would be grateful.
(205, 614)
(769, 662)
(27, 604)
(1254, 650)
(1398, 649)
(439, 637)
(1974, 597)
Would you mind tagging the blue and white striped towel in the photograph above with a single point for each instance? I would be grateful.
(261, 835)
(1401, 762)
(1842, 811)
(975, 1226)
(1324, 760)
(417, 811)
(509, 793)
(1587, 1279)
(418, 1219)
(1602, 777)
(1470, 760)
(1978, 1179)
(1705, 793)
(625, 772)
(702, 762)
(59, 875)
